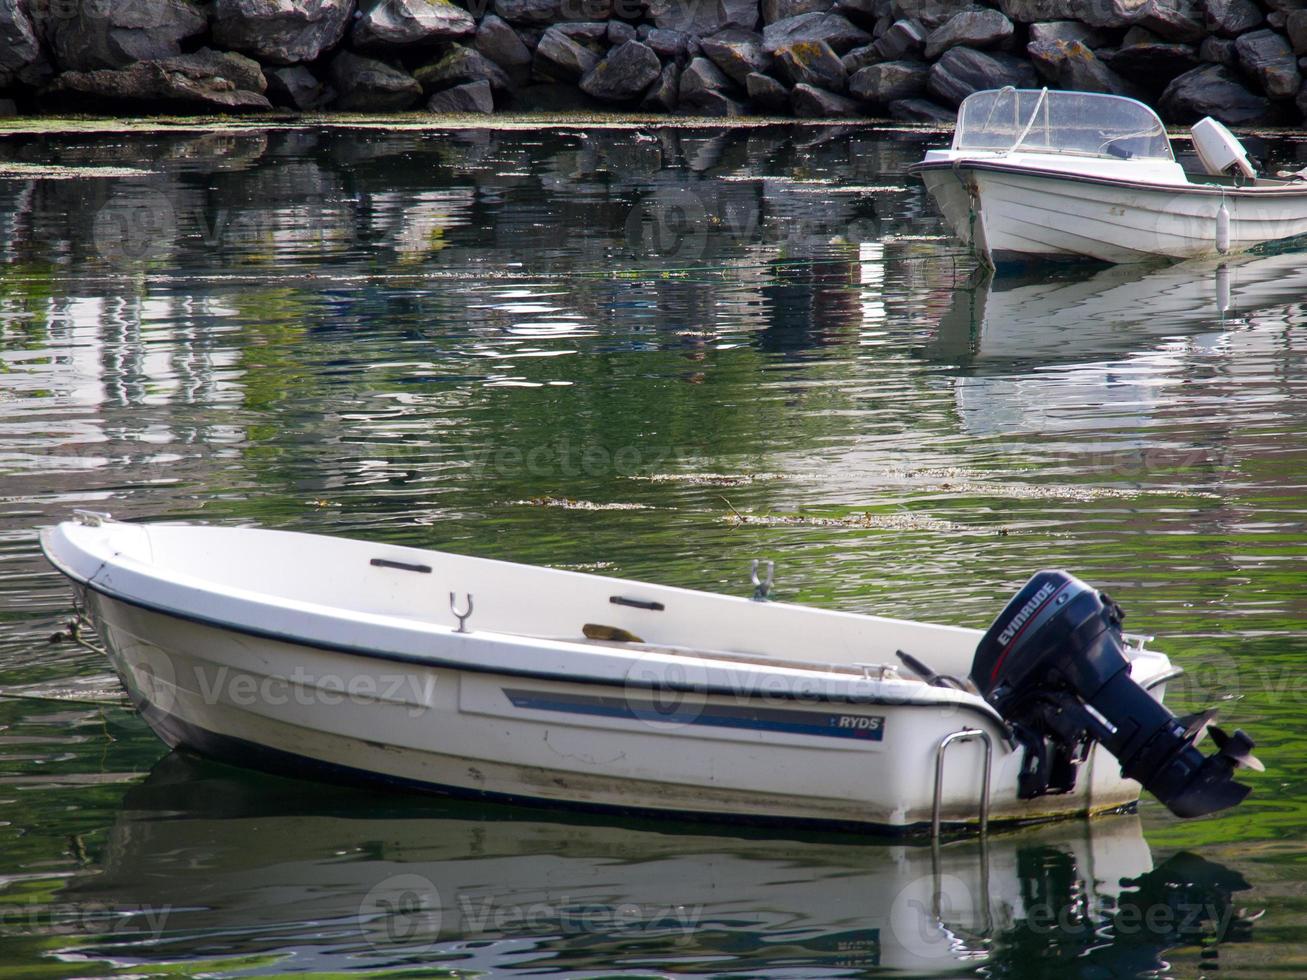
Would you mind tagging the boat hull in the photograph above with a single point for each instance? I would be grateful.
(722, 735)
(1012, 214)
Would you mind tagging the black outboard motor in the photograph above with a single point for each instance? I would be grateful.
(1054, 665)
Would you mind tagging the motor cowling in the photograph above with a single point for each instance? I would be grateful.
(1054, 665)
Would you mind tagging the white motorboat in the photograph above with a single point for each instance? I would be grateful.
(338, 657)
(1038, 174)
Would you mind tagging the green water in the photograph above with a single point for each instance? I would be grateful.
(656, 354)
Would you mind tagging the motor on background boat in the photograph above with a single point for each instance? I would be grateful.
(1054, 665)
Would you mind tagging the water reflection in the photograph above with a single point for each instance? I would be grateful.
(207, 862)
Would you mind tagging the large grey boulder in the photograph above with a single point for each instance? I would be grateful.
(1032, 11)
(668, 44)
(1170, 20)
(470, 97)
(767, 94)
(962, 71)
(203, 81)
(930, 13)
(890, 81)
(664, 93)
(551, 11)
(281, 32)
(811, 102)
(499, 42)
(971, 28)
(624, 74)
(90, 34)
(1219, 51)
(1296, 26)
(1212, 90)
(812, 63)
(921, 111)
(835, 29)
(295, 87)
(367, 85)
(558, 58)
(1069, 30)
(902, 39)
(1269, 58)
(1071, 65)
(459, 65)
(1152, 64)
(20, 48)
(860, 58)
(738, 53)
(403, 23)
(774, 10)
(1231, 17)
(702, 18)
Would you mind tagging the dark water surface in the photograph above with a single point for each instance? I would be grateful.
(657, 353)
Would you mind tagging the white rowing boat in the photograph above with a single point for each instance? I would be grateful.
(338, 657)
(1056, 175)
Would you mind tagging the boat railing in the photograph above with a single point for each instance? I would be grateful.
(953, 738)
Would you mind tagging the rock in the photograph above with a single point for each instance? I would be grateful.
(1269, 58)
(892, 81)
(1152, 64)
(1138, 35)
(1219, 51)
(767, 94)
(619, 32)
(367, 85)
(87, 34)
(1301, 101)
(962, 71)
(702, 18)
(460, 65)
(245, 73)
(1071, 65)
(662, 95)
(8, 107)
(409, 22)
(558, 58)
(592, 33)
(280, 32)
(551, 12)
(499, 42)
(1231, 17)
(295, 87)
(864, 12)
(668, 44)
(774, 10)
(834, 29)
(921, 111)
(20, 49)
(811, 102)
(812, 63)
(1212, 90)
(716, 104)
(700, 79)
(1069, 30)
(1296, 26)
(468, 97)
(624, 74)
(972, 28)
(930, 13)
(1170, 20)
(860, 58)
(191, 82)
(1031, 11)
(737, 53)
(903, 39)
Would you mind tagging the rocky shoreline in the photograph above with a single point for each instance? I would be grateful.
(1242, 61)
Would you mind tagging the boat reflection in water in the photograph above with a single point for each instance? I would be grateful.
(215, 864)
(1055, 349)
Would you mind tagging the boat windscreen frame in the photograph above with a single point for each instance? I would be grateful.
(1156, 145)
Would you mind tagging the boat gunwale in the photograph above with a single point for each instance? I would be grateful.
(973, 704)
(1188, 187)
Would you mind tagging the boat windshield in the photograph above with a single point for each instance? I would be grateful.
(1041, 121)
